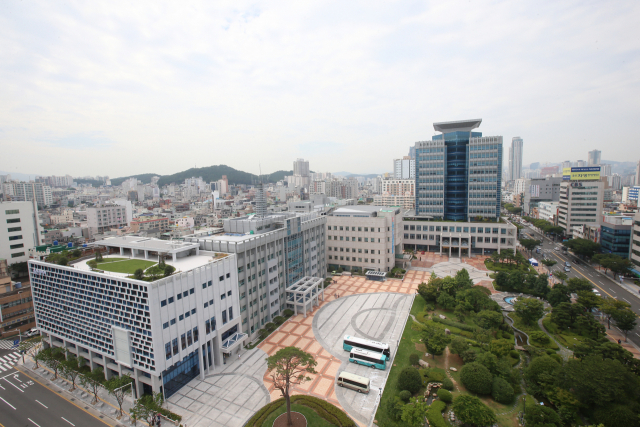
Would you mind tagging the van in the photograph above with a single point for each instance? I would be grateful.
(354, 382)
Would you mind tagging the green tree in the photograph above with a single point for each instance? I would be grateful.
(414, 414)
(394, 408)
(489, 319)
(119, 387)
(288, 367)
(434, 339)
(409, 379)
(470, 410)
(98, 255)
(63, 261)
(138, 274)
(476, 378)
(541, 416)
(93, 381)
(529, 244)
(588, 300)
(458, 345)
(501, 391)
(541, 374)
(168, 270)
(549, 262)
(529, 310)
(445, 395)
(446, 301)
(70, 369)
(575, 284)
(625, 321)
(147, 407)
(558, 294)
(560, 275)
(566, 314)
(583, 247)
(501, 347)
(590, 326)
(610, 306)
(52, 359)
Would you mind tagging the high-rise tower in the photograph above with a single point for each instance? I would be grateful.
(515, 159)
(594, 158)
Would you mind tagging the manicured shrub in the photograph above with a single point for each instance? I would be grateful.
(436, 375)
(409, 379)
(324, 409)
(445, 396)
(501, 391)
(550, 351)
(405, 395)
(515, 354)
(263, 413)
(557, 358)
(476, 378)
(447, 384)
(540, 337)
(287, 313)
(414, 359)
(434, 414)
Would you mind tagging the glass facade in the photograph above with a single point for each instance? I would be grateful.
(180, 374)
(615, 241)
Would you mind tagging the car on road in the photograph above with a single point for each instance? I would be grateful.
(557, 248)
(567, 269)
(597, 292)
(32, 332)
(576, 261)
(567, 264)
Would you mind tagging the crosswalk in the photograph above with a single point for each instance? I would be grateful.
(7, 344)
(8, 360)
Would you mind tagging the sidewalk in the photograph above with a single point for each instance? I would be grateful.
(632, 288)
(105, 409)
(614, 335)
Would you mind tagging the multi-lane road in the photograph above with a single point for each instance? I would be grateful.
(25, 402)
(604, 283)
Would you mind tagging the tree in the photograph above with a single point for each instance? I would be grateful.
(70, 369)
(138, 274)
(446, 301)
(470, 410)
(625, 321)
(458, 345)
(63, 260)
(394, 408)
(565, 314)
(476, 378)
(119, 387)
(558, 294)
(414, 414)
(541, 374)
(541, 416)
(428, 292)
(591, 326)
(52, 358)
(445, 395)
(574, 285)
(93, 381)
(409, 379)
(549, 262)
(76, 253)
(147, 407)
(529, 244)
(288, 367)
(529, 309)
(501, 347)
(589, 300)
(434, 339)
(168, 270)
(583, 247)
(610, 306)
(561, 275)
(489, 319)
(98, 255)
(501, 391)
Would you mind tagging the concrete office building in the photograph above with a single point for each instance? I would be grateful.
(459, 173)
(29, 191)
(580, 204)
(515, 159)
(634, 251)
(615, 234)
(548, 211)
(361, 238)
(103, 218)
(19, 230)
(404, 168)
(175, 328)
(273, 252)
(457, 239)
(538, 190)
(594, 158)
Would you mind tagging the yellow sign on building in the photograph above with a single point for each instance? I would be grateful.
(591, 173)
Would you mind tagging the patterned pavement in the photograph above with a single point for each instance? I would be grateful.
(429, 259)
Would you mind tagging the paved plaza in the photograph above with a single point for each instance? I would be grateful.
(227, 398)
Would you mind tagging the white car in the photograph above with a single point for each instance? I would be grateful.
(32, 332)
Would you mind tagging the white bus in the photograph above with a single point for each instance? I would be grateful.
(379, 347)
(354, 382)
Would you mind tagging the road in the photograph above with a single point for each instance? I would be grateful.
(24, 402)
(607, 286)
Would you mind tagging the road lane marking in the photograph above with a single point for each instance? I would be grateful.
(34, 422)
(42, 404)
(3, 388)
(16, 378)
(8, 403)
(3, 368)
(21, 391)
(626, 300)
(68, 421)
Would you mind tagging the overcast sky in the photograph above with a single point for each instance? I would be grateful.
(119, 87)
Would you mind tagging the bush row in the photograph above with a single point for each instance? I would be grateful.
(461, 326)
(326, 410)
(259, 418)
(434, 414)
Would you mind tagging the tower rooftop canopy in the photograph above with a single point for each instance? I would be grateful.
(461, 125)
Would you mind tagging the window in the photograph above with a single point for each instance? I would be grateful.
(209, 283)
(207, 326)
(206, 304)
(187, 314)
(185, 293)
(19, 245)
(204, 285)
(19, 237)
(13, 220)
(165, 325)
(173, 321)
(221, 278)
(181, 317)
(12, 212)
(189, 339)
(12, 229)
(167, 350)
(17, 254)
(193, 311)
(163, 303)
(213, 323)
(183, 340)
(224, 316)
(230, 313)
(179, 296)
(222, 296)
(195, 334)
(228, 275)
(175, 346)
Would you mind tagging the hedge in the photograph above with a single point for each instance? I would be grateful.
(171, 415)
(458, 325)
(434, 414)
(263, 413)
(325, 410)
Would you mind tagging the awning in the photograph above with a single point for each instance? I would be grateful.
(232, 342)
(636, 272)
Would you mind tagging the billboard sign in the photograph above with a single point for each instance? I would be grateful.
(590, 173)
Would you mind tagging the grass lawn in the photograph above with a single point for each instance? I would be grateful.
(407, 346)
(108, 260)
(567, 338)
(128, 266)
(313, 419)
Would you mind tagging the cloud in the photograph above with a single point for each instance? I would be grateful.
(243, 82)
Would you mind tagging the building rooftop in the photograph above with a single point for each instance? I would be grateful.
(461, 125)
(146, 244)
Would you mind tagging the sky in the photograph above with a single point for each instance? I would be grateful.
(120, 88)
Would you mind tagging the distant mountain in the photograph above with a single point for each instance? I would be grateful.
(209, 173)
(371, 175)
(342, 173)
(351, 175)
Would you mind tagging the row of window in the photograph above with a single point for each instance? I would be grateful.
(353, 259)
(336, 228)
(456, 229)
(170, 300)
(353, 239)
(366, 251)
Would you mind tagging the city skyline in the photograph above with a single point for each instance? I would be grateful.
(85, 85)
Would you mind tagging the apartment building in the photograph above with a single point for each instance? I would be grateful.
(103, 218)
(16, 306)
(361, 238)
(162, 333)
(29, 191)
(404, 168)
(153, 223)
(273, 252)
(580, 204)
(405, 201)
(19, 230)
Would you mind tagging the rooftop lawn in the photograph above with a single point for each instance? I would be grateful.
(127, 266)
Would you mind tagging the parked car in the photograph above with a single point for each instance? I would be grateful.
(32, 332)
